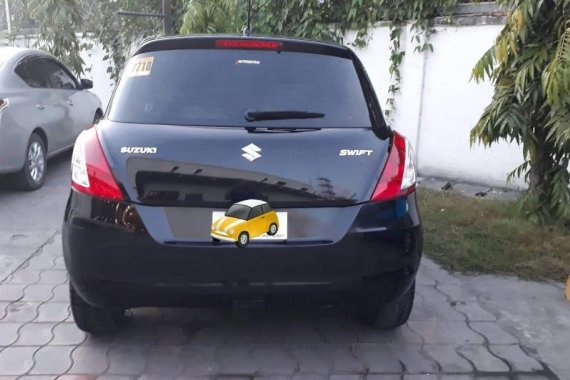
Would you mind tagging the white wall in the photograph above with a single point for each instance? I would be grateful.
(453, 105)
(97, 72)
(438, 104)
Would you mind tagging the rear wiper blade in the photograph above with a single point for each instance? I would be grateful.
(254, 115)
(280, 129)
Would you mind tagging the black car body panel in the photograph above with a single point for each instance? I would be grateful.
(196, 168)
(114, 262)
(177, 163)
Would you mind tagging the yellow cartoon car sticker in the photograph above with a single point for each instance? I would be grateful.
(244, 221)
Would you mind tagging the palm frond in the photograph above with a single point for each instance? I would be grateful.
(484, 67)
(556, 78)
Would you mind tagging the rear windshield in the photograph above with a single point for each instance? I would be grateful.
(217, 87)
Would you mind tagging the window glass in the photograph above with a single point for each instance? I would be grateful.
(58, 76)
(265, 208)
(216, 87)
(255, 212)
(45, 73)
(22, 72)
(238, 211)
(33, 73)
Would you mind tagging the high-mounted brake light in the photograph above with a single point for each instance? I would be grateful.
(90, 171)
(248, 44)
(399, 175)
(3, 103)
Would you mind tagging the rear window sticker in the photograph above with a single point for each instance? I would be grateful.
(140, 67)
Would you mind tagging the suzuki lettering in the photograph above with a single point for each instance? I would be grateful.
(138, 150)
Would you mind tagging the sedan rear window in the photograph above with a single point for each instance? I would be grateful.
(210, 87)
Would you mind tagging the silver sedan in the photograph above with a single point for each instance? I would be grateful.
(43, 108)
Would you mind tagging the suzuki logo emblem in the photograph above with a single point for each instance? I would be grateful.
(251, 152)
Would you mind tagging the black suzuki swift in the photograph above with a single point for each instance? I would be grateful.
(280, 125)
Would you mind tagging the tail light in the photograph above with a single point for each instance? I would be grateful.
(399, 175)
(3, 103)
(90, 171)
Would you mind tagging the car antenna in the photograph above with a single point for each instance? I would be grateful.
(247, 31)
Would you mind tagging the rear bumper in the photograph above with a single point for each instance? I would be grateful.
(383, 287)
(116, 264)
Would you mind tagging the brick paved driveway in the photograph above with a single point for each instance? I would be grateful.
(449, 336)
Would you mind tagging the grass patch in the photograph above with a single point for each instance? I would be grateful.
(487, 236)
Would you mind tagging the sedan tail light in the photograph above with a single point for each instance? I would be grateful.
(90, 171)
(399, 175)
(3, 103)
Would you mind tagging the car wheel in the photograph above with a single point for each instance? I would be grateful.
(390, 315)
(272, 229)
(92, 319)
(32, 175)
(243, 239)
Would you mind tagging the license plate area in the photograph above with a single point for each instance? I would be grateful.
(279, 236)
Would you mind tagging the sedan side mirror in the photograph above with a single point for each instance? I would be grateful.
(86, 84)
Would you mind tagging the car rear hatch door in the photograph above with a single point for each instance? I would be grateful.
(194, 171)
(192, 131)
